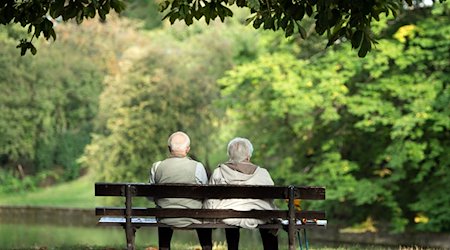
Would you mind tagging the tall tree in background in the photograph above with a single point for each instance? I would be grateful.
(48, 106)
(165, 85)
(49, 103)
(375, 132)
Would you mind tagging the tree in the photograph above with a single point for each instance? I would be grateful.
(48, 107)
(49, 104)
(374, 131)
(340, 20)
(165, 85)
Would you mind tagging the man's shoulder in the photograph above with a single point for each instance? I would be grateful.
(156, 164)
(195, 162)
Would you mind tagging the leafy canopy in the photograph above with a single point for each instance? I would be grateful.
(345, 20)
(374, 131)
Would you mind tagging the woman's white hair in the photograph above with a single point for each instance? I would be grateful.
(176, 145)
(239, 149)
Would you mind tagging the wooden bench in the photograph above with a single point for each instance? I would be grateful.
(131, 218)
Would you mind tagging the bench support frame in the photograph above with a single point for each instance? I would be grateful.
(291, 215)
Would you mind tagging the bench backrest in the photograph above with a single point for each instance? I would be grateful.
(129, 190)
(209, 191)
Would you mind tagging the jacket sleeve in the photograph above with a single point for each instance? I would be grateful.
(200, 174)
(153, 172)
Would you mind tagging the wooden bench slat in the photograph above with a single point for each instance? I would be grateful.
(208, 191)
(152, 222)
(208, 213)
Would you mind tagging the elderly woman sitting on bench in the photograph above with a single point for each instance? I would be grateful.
(240, 171)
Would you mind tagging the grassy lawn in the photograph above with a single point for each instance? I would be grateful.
(221, 247)
(75, 194)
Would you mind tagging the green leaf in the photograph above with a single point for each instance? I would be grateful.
(254, 4)
(298, 12)
(335, 18)
(284, 22)
(22, 47)
(365, 46)
(56, 8)
(37, 30)
(102, 13)
(357, 38)
(309, 10)
(107, 6)
(197, 14)
(302, 31)
(33, 49)
(163, 6)
(228, 12)
(257, 23)
(173, 17)
(118, 5)
(269, 23)
(53, 34)
(79, 18)
(90, 10)
(250, 19)
(241, 3)
(70, 11)
(189, 20)
(289, 29)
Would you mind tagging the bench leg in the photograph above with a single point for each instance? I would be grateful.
(291, 218)
(130, 235)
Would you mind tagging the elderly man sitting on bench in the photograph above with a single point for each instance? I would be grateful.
(178, 168)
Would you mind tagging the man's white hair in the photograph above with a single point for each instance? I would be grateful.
(177, 145)
(239, 149)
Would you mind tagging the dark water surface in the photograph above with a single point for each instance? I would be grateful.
(40, 227)
(44, 228)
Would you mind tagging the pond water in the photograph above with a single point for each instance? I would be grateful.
(22, 236)
(41, 228)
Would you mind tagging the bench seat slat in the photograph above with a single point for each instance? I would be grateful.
(208, 213)
(208, 191)
(152, 222)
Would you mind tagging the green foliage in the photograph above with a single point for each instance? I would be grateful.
(48, 104)
(13, 183)
(373, 131)
(343, 21)
(145, 11)
(166, 85)
(39, 16)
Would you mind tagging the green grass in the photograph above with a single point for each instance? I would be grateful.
(80, 194)
(75, 194)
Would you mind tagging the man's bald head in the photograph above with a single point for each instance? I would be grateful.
(179, 143)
